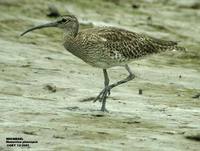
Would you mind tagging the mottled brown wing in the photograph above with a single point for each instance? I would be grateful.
(129, 45)
(129, 50)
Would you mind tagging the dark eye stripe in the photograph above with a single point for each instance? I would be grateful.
(64, 20)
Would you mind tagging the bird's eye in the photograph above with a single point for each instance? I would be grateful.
(64, 20)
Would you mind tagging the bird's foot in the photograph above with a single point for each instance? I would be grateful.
(103, 94)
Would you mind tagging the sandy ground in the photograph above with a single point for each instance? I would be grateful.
(43, 88)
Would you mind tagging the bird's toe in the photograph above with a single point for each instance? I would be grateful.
(104, 93)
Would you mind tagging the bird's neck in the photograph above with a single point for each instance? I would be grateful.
(71, 32)
(68, 34)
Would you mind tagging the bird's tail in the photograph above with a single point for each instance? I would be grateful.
(174, 47)
(179, 48)
(163, 45)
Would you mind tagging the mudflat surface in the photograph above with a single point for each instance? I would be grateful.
(43, 88)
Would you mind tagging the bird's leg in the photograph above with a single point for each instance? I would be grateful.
(103, 94)
(106, 83)
(106, 79)
(106, 92)
(130, 77)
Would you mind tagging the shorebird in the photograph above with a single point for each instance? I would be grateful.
(106, 47)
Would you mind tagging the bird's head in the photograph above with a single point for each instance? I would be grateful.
(68, 23)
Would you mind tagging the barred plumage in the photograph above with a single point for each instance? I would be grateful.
(105, 47)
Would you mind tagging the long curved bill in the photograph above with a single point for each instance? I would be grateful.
(52, 24)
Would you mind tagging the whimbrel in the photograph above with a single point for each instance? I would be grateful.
(106, 47)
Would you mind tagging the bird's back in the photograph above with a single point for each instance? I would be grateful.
(114, 46)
